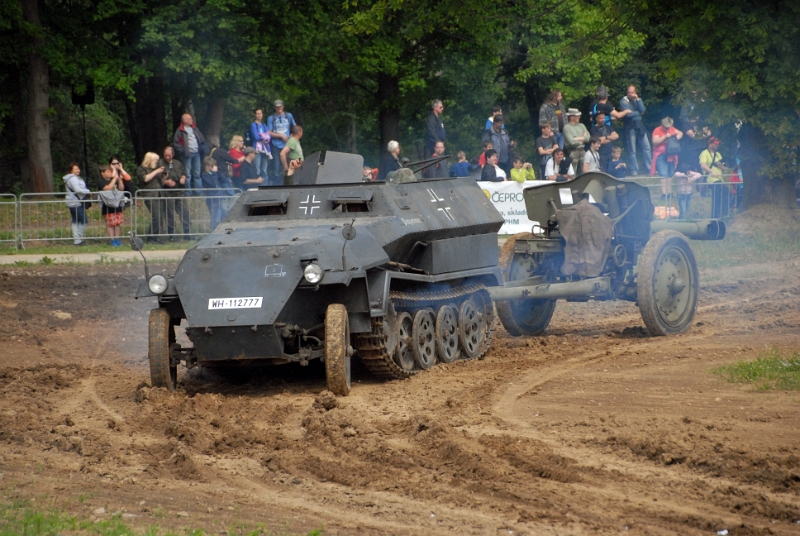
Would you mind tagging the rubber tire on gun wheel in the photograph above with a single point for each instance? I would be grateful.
(521, 317)
(337, 360)
(667, 258)
(161, 338)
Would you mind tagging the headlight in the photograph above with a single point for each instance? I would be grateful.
(313, 273)
(157, 284)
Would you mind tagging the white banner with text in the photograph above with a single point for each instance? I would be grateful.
(508, 200)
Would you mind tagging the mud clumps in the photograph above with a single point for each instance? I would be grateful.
(174, 459)
(326, 401)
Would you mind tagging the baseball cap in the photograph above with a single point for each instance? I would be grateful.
(277, 103)
(712, 139)
(248, 150)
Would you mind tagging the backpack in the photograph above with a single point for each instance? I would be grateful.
(248, 137)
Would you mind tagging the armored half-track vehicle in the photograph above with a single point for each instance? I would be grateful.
(394, 273)
(591, 239)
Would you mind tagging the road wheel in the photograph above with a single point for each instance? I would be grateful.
(404, 354)
(390, 330)
(161, 338)
(521, 317)
(471, 328)
(667, 284)
(447, 334)
(337, 352)
(424, 338)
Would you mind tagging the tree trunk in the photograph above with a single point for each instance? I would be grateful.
(534, 97)
(138, 150)
(151, 128)
(38, 95)
(758, 188)
(389, 108)
(20, 131)
(176, 110)
(213, 127)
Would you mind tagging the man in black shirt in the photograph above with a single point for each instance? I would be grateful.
(607, 136)
(602, 105)
(173, 184)
(248, 174)
(434, 128)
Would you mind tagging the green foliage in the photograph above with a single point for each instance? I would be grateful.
(327, 58)
(737, 60)
(770, 371)
(573, 47)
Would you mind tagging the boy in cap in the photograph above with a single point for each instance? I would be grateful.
(248, 174)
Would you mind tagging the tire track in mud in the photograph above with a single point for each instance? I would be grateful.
(505, 407)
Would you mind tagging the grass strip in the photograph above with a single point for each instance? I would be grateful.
(20, 518)
(770, 371)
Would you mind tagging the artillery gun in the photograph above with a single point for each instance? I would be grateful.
(591, 239)
(393, 273)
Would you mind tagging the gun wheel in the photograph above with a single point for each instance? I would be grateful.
(424, 339)
(471, 328)
(163, 373)
(447, 334)
(521, 317)
(337, 354)
(667, 284)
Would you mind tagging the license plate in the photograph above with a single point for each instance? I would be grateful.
(235, 303)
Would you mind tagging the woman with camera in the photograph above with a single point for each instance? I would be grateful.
(149, 177)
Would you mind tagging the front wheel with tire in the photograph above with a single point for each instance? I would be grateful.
(337, 352)
(667, 284)
(521, 317)
(163, 373)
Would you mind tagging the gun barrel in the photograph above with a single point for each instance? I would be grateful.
(595, 287)
(696, 230)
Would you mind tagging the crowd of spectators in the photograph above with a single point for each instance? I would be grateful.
(270, 151)
(681, 155)
(267, 154)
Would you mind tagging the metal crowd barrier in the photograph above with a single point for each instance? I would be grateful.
(703, 200)
(8, 219)
(175, 215)
(45, 218)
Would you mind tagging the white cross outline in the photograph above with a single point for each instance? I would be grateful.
(436, 199)
(313, 204)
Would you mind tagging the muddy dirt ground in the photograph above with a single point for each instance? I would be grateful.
(594, 428)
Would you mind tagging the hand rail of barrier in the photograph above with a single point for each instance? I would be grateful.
(675, 199)
(45, 217)
(173, 213)
(8, 219)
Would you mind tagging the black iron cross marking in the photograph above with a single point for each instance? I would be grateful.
(436, 199)
(310, 203)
